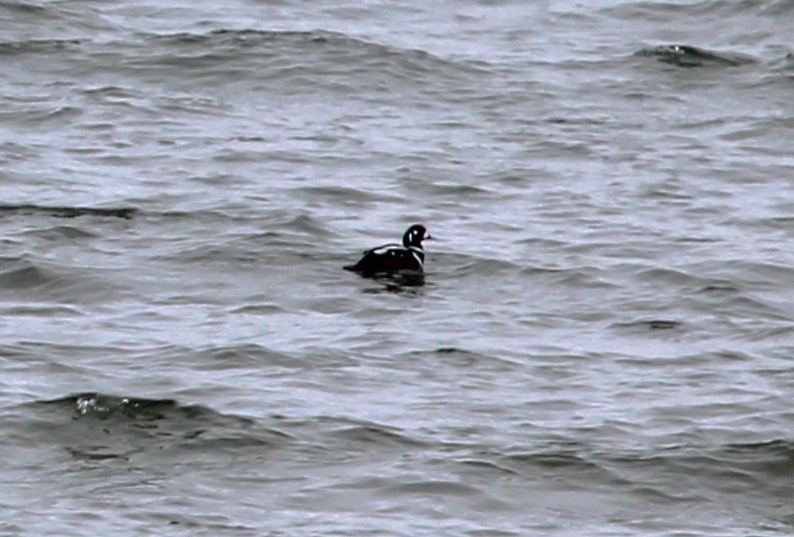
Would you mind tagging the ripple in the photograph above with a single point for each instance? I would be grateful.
(651, 324)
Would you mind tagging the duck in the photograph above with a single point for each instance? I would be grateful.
(392, 258)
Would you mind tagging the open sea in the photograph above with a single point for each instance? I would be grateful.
(603, 342)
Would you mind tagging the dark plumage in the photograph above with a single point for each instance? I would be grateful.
(393, 257)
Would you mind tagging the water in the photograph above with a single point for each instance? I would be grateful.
(603, 340)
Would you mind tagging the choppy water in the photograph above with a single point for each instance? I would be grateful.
(603, 343)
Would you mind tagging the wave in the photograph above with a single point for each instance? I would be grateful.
(29, 18)
(281, 64)
(752, 477)
(691, 471)
(335, 48)
(94, 426)
(38, 46)
(275, 62)
(25, 279)
(692, 56)
(68, 211)
(665, 12)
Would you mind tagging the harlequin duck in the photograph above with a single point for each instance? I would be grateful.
(393, 257)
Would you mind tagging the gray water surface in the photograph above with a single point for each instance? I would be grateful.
(602, 342)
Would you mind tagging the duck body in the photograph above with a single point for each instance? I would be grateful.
(391, 258)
